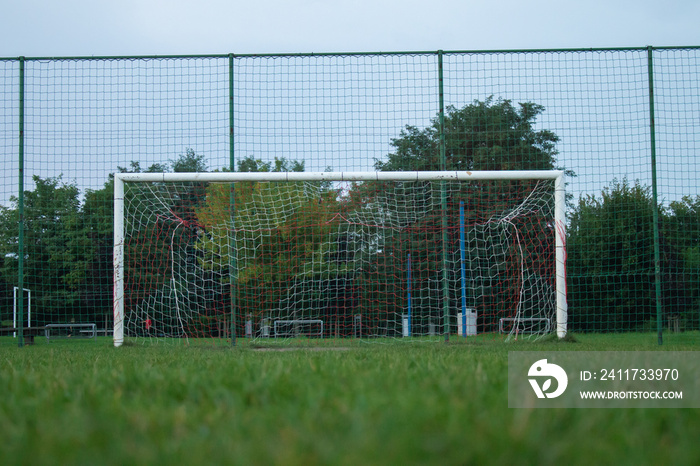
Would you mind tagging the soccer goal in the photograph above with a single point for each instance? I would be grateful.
(230, 256)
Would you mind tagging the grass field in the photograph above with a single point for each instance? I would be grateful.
(85, 402)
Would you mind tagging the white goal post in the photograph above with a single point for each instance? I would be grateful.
(555, 176)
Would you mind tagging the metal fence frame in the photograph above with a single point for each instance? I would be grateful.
(232, 60)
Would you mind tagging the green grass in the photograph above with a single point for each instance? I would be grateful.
(85, 402)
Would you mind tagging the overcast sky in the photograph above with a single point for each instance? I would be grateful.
(147, 27)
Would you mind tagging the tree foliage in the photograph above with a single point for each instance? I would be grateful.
(68, 243)
(268, 239)
(681, 231)
(493, 134)
(57, 248)
(488, 135)
(288, 237)
(610, 264)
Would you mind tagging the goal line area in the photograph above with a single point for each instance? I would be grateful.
(233, 257)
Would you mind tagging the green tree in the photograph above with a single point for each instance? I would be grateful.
(6, 291)
(488, 135)
(684, 224)
(491, 135)
(190, 161)
(250, 164)
(57, 250)
(281, 242)
(682, 229)
(98, 214)
(610, 265)
(168, 231)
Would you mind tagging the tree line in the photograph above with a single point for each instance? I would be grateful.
(610, 241)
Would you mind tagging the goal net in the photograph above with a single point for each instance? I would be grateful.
(230, 256)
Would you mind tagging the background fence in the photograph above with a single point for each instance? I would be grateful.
(625, 122)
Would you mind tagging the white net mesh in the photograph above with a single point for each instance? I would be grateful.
(338, 260)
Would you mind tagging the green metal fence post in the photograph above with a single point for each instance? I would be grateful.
(443, 200)
(654, 189)
(232, 202)
(20, 239)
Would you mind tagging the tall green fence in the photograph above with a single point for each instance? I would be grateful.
(624, 123)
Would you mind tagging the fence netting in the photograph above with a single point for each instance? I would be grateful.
(623, 123)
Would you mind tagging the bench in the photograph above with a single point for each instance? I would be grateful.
(86, 330)
(89, 330)
(296, 327)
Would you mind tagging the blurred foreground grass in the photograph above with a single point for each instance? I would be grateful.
(85, 402)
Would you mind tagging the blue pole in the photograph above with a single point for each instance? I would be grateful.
(409, 295)
(464, 272)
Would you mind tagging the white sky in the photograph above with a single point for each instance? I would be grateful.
(54, 28)
(146, 27)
